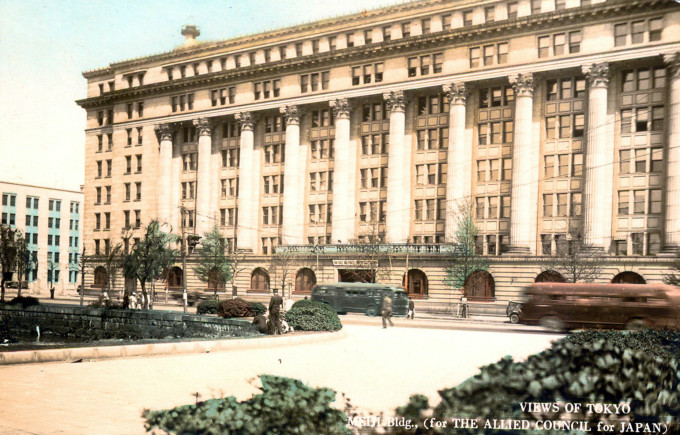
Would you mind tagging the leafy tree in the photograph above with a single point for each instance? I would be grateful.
(23, 259)
(8, 255)
(150, 257)
(464, 260)
(575, 260)
(674, 278)
(213, 266)
(236, 259)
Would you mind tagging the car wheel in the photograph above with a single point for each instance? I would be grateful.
(514, 318)
(552, 322)
(371, 311)
(637, 325)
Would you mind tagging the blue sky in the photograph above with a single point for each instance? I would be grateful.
(47, 44)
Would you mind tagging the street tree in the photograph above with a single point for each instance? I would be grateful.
(23, 259)
(674, 277)
(237, 264)
(8, 255)
(465, 259)
(213, 266)
(372, 263)
(281, 265)
(113, 262)
(150, 257)
(574, 259)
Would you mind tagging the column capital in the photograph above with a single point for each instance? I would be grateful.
(672, 61)
(456, 92)
(396, 101)
(341, 108)
(246, 120)
(164, 131)
(522, 84)
(597, 74)
(204, 126)
(292, 114)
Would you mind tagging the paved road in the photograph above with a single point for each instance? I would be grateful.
(377, 368)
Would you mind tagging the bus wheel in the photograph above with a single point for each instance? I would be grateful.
(371, 311)
(552, 322)
(637, 325)
(514, 318)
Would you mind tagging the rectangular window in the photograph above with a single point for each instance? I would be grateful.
(548, 205)
(623, 202)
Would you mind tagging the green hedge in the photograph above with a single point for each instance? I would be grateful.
(285, 406)
(258, 308)
(235, 308)
(209, 306)
(25, 301)
(307, 315)
(579, 369)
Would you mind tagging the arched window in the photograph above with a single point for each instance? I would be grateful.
(305, 280)
(416, 283)
(549, 276)
(628, 278)
(215, 281)
(175, 278)
(100, 277)
(259, 280)
(479, 286)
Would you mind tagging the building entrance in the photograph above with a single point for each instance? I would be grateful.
(356, 275)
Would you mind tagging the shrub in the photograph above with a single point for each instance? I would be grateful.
(651, 341)
(209, 306)
(285, 406)
(24, 301)
(596, 372)
(307, 315)
(235, 308)
(258, 308)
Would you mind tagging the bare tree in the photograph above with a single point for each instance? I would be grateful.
(575, 260)
(23, 259)
(281, 265)
(236, 259)
(8, 255)
(373, 262)
(465, 259)
(112, 262)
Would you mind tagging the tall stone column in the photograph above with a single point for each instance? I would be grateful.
(459, 158)
(524, 194)
(248, 193)
(599, 161)
(672, 221)
(398, 179)
(293, 190)
(164, 197)
(344, 203)
(204, 221)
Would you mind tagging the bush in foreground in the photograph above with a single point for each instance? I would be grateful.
(235, 308)
(285, 406)
(25, 301)
(209, 306)
(307, 315)
(579, 369)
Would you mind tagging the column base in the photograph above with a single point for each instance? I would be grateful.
(518, 251)
(669, 251)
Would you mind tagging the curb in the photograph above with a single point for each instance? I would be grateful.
(135, 350)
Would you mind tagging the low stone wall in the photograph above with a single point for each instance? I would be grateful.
(97, 323)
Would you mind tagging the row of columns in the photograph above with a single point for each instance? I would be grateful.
(598, 187)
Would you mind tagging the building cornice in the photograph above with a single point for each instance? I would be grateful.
(410, 85)
(521, 24)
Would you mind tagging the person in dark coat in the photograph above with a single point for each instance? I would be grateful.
(387, 311)
(275, 304)
(411, 309)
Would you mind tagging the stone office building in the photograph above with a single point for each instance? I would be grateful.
(544, 115)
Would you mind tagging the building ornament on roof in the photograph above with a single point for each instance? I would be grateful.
(246, 120)
(341, 108)
(672, 61)
(204, 126)
(396, 101)
(597, 74)
(164, 131)
(522, 84)
(292, 114)
(456, 92)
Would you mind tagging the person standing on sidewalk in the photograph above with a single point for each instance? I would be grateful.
(387, 311)
(411, 309)
(275, 304)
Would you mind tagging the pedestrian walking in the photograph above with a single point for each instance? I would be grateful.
(387, 311)
(275, 304)
(411, 309)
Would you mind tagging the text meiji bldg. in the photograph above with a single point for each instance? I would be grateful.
(544, 115)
